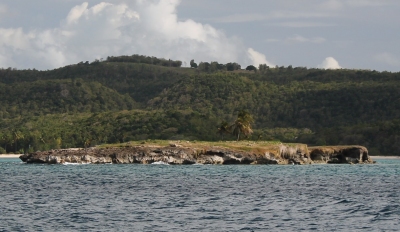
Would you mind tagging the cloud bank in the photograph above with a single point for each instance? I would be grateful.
(142, 27)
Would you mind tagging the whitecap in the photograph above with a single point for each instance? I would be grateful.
(160, 163)
(66, 163)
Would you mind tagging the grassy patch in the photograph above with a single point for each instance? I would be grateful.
(257, 147)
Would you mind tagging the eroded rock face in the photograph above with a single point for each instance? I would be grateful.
(340, 154)
(274, 154)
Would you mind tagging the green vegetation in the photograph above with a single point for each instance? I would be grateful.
(242, 124)
(259, 147)
(140, 98)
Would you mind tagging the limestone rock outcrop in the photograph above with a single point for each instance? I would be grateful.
(274, 154)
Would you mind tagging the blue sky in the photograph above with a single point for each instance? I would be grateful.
(354, 34)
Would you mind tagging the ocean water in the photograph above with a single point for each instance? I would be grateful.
(199, 197)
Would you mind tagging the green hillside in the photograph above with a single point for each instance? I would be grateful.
(139, 98)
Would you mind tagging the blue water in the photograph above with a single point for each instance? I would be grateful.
(199, 198)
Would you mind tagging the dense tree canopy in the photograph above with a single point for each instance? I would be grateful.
(136, 98)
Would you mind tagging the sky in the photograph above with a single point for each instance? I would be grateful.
(329, 34)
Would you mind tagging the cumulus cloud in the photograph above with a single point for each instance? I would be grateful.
(142, 27)
(258, 58)
(76, 13)
(15, 38)
(330, 63)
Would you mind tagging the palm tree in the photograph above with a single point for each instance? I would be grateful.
(223, 129)
(242, 125)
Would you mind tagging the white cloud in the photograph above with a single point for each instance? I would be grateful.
(258, 58)
(301, 39)
(142, 27)
(388, 58)
(330, 63)
(76, 13)
(14, 38)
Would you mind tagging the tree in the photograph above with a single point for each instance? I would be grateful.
(223, 129)
(232, 66)
(204, 66)
(263, 67)
(214, 66)
(251, 68)
(242, 124)
(193, 64)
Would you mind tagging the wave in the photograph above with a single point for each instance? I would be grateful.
(66, 163)
(160, 163)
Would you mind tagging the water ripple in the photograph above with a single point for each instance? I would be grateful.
(199, 197)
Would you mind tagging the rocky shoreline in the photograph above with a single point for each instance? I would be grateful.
(178, 154)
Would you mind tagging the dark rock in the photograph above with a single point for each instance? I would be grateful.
(340, 154)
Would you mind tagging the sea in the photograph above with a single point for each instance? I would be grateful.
(159, 197)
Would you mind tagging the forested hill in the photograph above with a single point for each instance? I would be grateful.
(139, 98)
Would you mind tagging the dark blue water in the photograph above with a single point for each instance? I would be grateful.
(199, 198)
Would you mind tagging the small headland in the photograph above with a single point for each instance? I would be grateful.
(219, 153)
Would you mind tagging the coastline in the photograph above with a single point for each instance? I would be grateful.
(385, 157)
(221, 153)
(13, 156)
